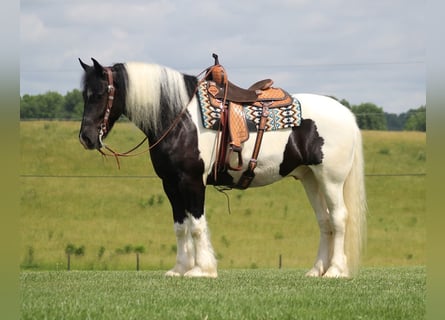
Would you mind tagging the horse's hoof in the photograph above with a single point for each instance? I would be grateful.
(314, 272)
(172, 273)
(196, 272)
(335, 272)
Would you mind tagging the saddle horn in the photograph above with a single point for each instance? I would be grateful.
(215, 56)
(218, 74)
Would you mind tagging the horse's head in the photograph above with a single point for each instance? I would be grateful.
(103, 103)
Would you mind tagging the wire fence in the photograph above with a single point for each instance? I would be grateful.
(49, 176)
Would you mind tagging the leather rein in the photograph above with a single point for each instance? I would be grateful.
(105, 123)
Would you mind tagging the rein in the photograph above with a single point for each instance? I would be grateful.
(104, 125)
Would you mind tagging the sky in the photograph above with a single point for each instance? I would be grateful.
(358, 50)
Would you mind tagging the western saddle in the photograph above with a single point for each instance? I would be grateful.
(233, 129)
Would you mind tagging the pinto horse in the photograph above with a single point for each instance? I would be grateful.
(324, 152)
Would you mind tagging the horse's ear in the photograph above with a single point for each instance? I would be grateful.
(98, 67)
(84, 65)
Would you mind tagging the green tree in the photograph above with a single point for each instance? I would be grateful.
(369, 116)
(394, 121)
(345, 103)
(28, 107)
(416, 120)
(42, 106)
(73, 105)
(51, 106)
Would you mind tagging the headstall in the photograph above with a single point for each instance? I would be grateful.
(111, 90)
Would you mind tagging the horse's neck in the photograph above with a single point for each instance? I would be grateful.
(155, 95)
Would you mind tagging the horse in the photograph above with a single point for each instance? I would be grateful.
(324, 152)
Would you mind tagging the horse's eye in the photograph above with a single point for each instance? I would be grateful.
(94, 95)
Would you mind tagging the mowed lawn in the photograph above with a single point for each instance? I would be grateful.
(377, 293)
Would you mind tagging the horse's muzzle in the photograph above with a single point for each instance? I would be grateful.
(88, 142)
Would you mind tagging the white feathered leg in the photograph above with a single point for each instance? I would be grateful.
(205, 264)
(185, 256)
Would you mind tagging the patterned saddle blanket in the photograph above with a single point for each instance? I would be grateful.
(279, 117)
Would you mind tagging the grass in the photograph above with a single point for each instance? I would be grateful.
(71, 196)
(378, 293)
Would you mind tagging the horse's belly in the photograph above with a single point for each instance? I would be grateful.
(269, 158)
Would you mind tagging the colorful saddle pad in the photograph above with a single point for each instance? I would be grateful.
(279, 118)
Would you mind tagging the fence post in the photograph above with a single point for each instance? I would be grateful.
(137, 261)
(279, 261)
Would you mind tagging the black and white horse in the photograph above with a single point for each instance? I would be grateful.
(324, 152)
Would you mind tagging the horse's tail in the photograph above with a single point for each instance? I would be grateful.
(355, 200)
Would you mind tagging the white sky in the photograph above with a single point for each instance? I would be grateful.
(359, 50)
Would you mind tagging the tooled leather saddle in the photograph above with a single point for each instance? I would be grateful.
(233, 128)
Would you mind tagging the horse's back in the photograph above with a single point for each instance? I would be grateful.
(324, 110)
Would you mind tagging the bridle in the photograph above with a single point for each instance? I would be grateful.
(111, 90)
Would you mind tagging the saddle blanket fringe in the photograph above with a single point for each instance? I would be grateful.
(279, 118)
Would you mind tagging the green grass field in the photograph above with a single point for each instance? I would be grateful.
(377, 293)
(72, 196)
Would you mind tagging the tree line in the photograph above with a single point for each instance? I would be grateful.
(53, 105)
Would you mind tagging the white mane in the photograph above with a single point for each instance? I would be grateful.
(150, 86)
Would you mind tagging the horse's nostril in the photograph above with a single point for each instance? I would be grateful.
(86, 141)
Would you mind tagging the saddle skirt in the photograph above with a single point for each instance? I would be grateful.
(279, 117)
